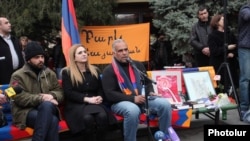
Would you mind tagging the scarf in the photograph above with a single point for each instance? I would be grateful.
(127, 85)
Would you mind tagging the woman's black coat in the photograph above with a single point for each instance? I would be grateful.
(74, 105)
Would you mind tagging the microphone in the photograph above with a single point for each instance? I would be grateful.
(2, 58)
(13, 91)
(159, 136)
(129, 60)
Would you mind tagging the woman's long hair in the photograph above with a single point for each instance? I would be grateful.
(215, 21)
(75, 75)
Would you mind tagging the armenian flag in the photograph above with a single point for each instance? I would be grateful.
(69, 27)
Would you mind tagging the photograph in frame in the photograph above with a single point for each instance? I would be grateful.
(168, 84)
(198, 85)
(178, 71)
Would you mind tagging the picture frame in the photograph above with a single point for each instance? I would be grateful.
(168, 84)
(212, 73)
(198, 85)
(179, 71)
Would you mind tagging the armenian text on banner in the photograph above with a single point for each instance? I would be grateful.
(98, 41)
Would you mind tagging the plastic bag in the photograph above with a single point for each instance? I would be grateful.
(221, 100)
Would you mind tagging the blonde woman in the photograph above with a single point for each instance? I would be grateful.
(84, 108)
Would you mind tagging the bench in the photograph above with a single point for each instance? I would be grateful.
(12, 133)
(180, 118)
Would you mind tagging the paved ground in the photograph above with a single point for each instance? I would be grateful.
(196, 131)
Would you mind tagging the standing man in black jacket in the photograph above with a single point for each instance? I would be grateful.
(199, 37)
(11, 57)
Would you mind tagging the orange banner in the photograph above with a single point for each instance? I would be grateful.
(98, 41)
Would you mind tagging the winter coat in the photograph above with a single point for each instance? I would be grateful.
(32, 85)
(199, 34)
(6, 59)
(217, 56)
(218, 50)
(74, 104)
(244, 27)
(59, 59)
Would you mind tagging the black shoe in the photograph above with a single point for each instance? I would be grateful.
(242, 113)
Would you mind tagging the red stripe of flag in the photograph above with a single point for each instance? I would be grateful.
(69, 27)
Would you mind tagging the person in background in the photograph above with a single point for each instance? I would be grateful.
(216, 43)
(199, 37)
(37, 104)
(48, 55)
(59, 59)
(161, 51)
(123, 89)
(244, 58)
(84, 108)
(11, 57)
(153, 40)
(23, 43)
(188, 59)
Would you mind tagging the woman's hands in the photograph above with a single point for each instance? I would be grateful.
(231, 46)
(93, 100)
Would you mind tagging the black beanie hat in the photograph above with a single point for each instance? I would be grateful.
(32, 49)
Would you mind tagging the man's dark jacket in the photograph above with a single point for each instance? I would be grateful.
(200, 32)
(111, 86)
(6, 67)
(244, 28)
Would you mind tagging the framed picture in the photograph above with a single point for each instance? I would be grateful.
(168, 84)
(212, 74)
(198, 85)
(178, 71)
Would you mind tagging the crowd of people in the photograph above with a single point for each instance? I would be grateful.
(215, 45)
(90, 95)
(88, 99)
